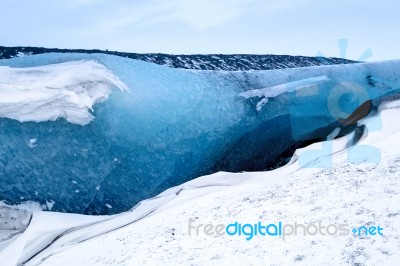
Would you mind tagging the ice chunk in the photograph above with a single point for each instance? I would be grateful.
(50, 204)
(32, 143)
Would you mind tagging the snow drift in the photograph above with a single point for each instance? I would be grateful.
(46, 93)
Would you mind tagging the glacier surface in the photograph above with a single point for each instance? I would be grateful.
(111, 148)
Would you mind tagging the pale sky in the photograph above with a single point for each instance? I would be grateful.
(295, 27)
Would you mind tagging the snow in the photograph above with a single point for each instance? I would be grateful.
(32, 143)
(14, 219)
(22, 210)
(156, 230)
(271, 92)
(67, 90)
(20, 54)
(50, 204)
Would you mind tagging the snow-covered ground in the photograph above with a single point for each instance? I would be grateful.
(353, 191)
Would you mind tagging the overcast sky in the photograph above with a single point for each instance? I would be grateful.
(296, 27)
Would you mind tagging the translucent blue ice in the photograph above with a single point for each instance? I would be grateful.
(172, 126)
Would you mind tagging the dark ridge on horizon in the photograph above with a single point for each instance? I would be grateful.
(228, 62)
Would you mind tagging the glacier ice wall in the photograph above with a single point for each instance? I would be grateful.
(168, 126)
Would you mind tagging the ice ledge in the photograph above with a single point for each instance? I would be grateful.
(47, 93)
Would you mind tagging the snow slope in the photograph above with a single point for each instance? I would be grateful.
(155, 232)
